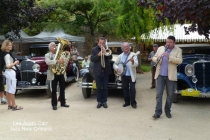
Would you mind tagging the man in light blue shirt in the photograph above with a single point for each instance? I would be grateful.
(129, 78)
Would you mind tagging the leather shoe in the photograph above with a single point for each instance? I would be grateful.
(99, 105)
(105, 105)
(152, 87)
(155, 116)
(134, 105)
(54, 107)
(168, 115)
(126, 104)
(65, 105)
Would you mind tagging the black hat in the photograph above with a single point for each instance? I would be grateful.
(155, 45)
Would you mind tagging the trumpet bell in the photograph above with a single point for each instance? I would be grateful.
(108, 52)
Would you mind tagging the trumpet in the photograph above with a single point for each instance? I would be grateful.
(106, 52)
(155, 65)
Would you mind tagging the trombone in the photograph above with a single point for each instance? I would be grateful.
(106, 52)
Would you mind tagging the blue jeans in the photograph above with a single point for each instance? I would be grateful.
(161, 82)
(102, 87)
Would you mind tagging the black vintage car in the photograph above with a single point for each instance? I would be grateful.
(194, 72)
(33, 70)
(88, 81)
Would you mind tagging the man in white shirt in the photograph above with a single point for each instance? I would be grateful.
(129, 79)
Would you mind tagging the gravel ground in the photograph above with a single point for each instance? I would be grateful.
(82, 121)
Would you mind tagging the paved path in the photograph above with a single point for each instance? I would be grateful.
(82, 121)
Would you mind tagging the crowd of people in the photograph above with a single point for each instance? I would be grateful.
(163, 59)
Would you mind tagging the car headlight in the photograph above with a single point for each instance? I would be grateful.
(33, 80)
(189, 70)
(36, 67)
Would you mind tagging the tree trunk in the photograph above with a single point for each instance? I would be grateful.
(138, 48)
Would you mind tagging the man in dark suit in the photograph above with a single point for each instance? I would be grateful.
(101, 70)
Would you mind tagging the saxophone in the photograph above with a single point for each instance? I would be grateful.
(61, 54)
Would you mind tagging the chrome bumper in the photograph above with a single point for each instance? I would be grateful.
(32, 87)
(90, 85)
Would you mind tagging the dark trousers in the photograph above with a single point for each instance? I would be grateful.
(162, 82)
(153, 70)
(129, 90)
(2, 81)
(102, 87)
(61, 80)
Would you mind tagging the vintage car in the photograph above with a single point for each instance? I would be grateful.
(194, 72)
(88, 83)
(33, 70)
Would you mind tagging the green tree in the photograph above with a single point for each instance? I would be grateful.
(134, 21)
(80, 16)
(195, 12)
(18, 14)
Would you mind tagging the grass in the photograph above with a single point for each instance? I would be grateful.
(145, 67)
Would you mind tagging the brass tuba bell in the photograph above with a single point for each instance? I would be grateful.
(61, 54)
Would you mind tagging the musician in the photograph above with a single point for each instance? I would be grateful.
(54, 78)
(129, 79)
(101, 73)
(153, 68)
(168, 57)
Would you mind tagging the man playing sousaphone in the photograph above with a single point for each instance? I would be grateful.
(130, 61)
(55, 77)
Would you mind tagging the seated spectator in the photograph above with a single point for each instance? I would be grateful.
(85, 62)
(74, 51)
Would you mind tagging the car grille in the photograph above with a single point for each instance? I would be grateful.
(202, 72)
(26, 65)
(27, 73)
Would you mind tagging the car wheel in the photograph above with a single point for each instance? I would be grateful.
(76, 73)
(86, 91)
(175, 98)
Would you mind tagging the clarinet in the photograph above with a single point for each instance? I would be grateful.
(166, 48)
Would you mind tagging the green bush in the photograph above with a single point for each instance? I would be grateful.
(145, 67)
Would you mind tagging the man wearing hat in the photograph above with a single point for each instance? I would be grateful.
(153, 68)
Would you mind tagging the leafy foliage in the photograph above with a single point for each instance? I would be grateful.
(133, 21)
(80, 16)
(196, 12)
(18, 14)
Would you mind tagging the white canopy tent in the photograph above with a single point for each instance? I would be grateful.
(160, 34)
(23, 36)
(51, 36)
(45, 37)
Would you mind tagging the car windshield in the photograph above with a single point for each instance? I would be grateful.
(36, 52)
(115, 47)
(195, 50)
(116, 50)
